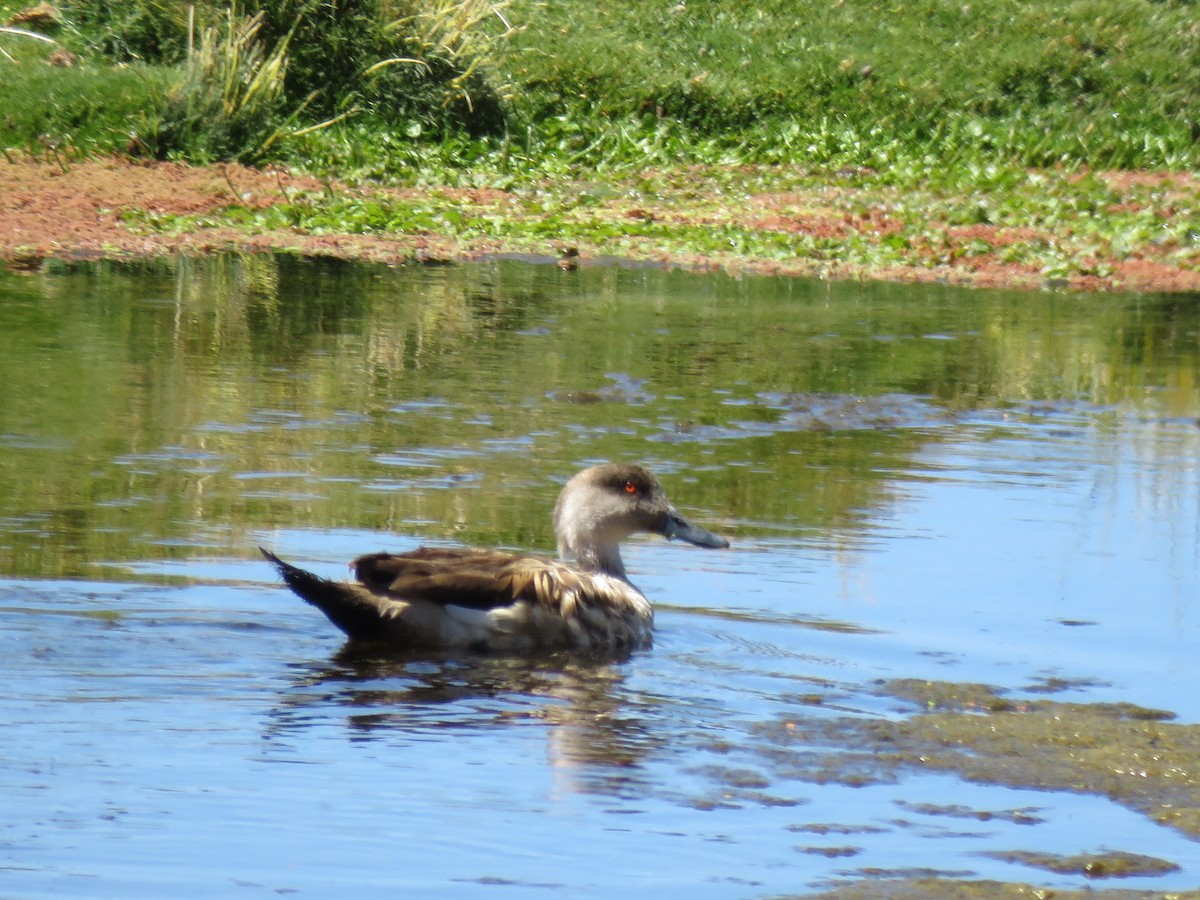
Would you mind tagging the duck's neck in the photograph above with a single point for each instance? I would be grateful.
(593, 556)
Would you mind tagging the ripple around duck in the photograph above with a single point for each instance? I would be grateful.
(34, 442)
(449, 481)
(182, 458)
(436, 406)
(425, 457)
(816, 412)
(843, 412)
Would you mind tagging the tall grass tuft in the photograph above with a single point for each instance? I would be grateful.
(229, 101)
(454, 35)
(261, 70)
(419, 65)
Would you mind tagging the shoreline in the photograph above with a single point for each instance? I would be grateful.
(119, 209)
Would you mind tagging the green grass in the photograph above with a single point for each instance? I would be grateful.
(77, 111)
(1106, 82)
(906, 85)
(1103, 83)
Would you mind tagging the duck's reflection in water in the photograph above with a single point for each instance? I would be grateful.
(594, 723)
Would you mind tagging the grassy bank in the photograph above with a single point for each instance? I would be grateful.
(1106, 83)
(924, 139)
(1102, 83)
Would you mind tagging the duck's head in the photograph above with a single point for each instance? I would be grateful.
(603, 505)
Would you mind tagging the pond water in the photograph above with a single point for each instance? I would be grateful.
(921, 484)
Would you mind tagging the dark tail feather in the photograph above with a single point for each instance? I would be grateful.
(349, 607)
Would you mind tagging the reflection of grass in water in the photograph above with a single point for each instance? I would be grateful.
(329, 373)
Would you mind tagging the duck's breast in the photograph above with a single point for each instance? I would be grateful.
(576, 612)
(598, 610)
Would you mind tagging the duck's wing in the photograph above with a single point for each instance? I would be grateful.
(464, 577)
(482, 599)
(510, 600)
(467, 577)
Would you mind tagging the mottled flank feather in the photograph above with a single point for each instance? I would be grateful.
(496, 601)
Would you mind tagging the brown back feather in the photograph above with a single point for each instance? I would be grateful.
(478, 579)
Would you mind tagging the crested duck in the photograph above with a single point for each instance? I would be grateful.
(498, 601)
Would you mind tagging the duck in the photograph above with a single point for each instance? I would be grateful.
(498, 601)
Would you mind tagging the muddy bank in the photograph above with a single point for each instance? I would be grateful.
(93, 209)
(79, 211)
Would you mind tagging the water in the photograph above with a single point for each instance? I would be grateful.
(920, 484)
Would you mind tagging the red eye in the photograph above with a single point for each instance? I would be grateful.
(630, 487)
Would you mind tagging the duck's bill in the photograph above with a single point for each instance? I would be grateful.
(679, 527)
